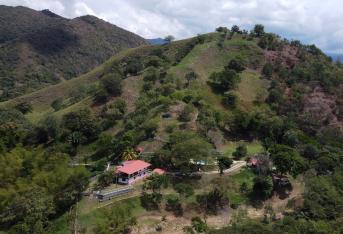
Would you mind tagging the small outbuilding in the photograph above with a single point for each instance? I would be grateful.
(159, 171)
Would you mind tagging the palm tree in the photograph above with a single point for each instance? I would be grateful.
(129, 154)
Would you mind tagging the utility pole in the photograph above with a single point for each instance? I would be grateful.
(75, 221)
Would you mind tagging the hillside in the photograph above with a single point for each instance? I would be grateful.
(192, 106)
(42, 48)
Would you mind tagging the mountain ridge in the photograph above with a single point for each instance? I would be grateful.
(41, 48)
(190, 107)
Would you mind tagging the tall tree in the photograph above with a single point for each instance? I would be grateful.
(187, 148)
(169, 38)
(287, 160)
(259, 30)
(224, 163)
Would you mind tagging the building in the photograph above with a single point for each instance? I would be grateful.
(132, 170)
(159, 171)
(253, 162)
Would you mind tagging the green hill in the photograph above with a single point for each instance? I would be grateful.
(215, 97)
(41, 48)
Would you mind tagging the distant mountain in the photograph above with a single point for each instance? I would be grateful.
(336, 57)
(157, 41)
(39, 48)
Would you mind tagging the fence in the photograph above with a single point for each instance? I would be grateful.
(107, 195)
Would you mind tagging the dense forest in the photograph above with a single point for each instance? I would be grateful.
(183, 102)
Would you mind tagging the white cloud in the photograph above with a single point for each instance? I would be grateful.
(82, 8)
(312, 21)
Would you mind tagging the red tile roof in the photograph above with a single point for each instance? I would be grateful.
(254, 161)
(159, 171)
(132, 166)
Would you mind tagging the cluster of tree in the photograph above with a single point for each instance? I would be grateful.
(14, 129)
(212, 201)
(111, 85)
(227, 80)
(31, 194)
(182, 152)
(198, 226)
(151, 197)
(112, 112)
(269, 41)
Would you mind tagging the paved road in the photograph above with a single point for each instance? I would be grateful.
(235, 167)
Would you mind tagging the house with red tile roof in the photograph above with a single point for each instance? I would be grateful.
(132, 170)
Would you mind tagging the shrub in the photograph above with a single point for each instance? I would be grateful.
(151, 74)
(213, 201)
(151, 201)
(225, 80)
(24, 107)
(174, 205)
(199, 225)
(82, 122)
(263, 187)
(190, 76)
(236, 65)
(222, 29)
(154, 61)
(170, 128)
(157, 52)
(112, 83)
(150, 127)
(267, 70)
(105, 179)
(184, 189)
(241, 151)
(187, 112)
(134, 66)
(57, 104)
(100, 96)
(230, 99)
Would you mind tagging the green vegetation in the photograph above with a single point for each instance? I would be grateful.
(224, 163)
(30, 192)
(193, 106)
(38, 50)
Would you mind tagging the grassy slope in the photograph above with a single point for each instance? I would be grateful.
(204, 59)
(251, 87)
(42, 99)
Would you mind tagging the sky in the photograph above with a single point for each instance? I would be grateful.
(317, 22)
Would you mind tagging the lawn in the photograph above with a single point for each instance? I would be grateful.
(234, 194)
(88, 218)
(61, 225)
(253, 147)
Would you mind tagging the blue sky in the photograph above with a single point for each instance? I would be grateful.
(311, 21)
